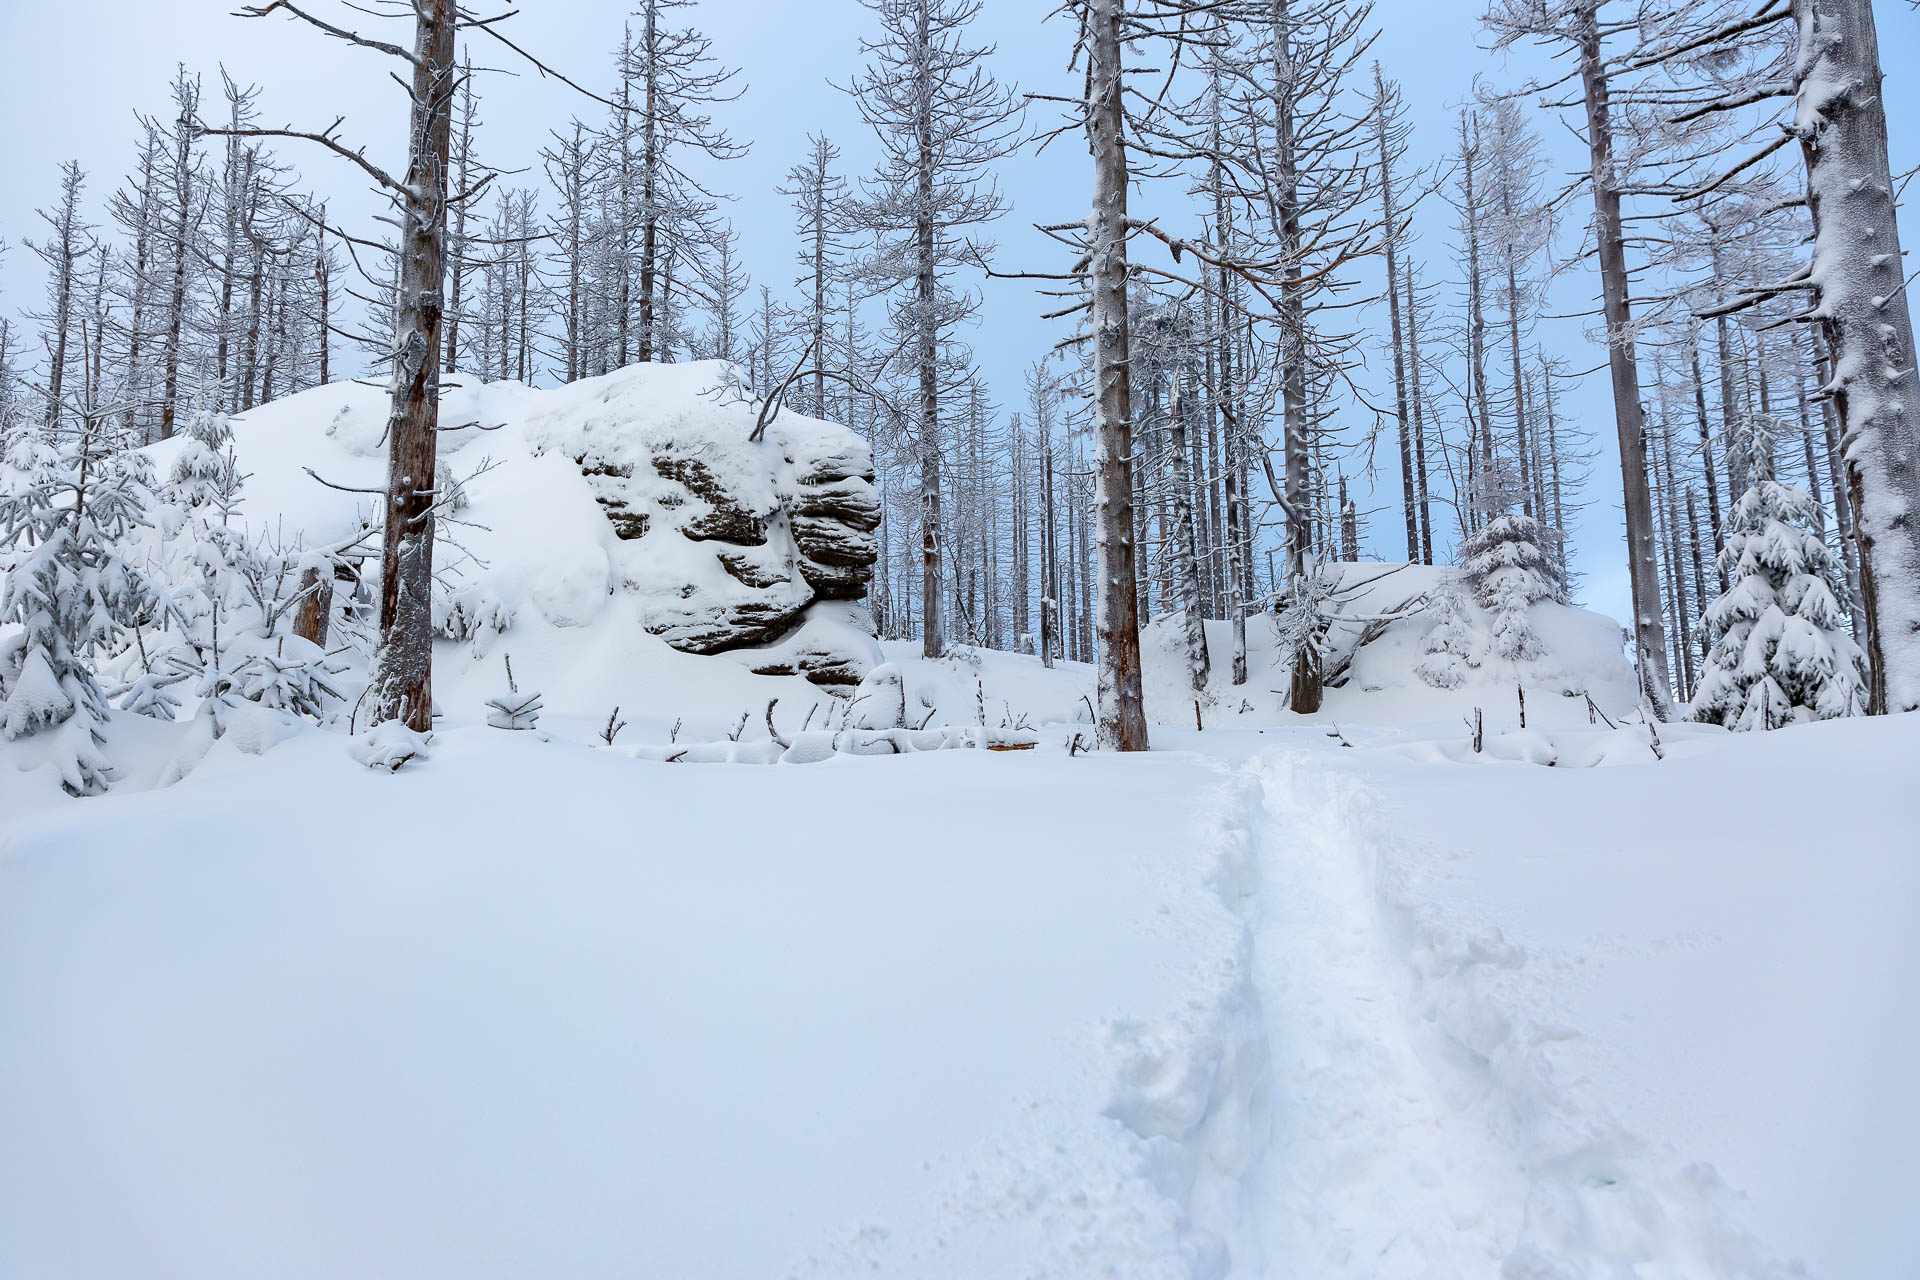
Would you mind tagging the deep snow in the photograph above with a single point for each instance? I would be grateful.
(1322, 996)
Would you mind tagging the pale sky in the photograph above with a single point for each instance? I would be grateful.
(79, 69)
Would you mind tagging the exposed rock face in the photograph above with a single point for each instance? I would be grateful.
(732, 544)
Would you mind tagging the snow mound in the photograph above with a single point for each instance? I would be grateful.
(1376, 644)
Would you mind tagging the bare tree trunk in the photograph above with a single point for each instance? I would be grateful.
(1123, 721)
(188, 97)
(1187, 566)
(1419, 425)
(316, 604)
(323, 296)
(1231, 442)
(1390, 237)
(1556, 492)
(1861, 303)
(1049, 562)
(1706, 461)
(1304, 683)
(650, 180)
(1729, 399)
(1482, 502)
(403, 676)
(457, 250)
(1842, 502)
(1650, 640)
(1676, 572)
(63, 253)
(1693, 541)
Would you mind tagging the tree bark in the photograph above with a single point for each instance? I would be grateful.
(403, 676)
(1390, 237)
(1186, 562)
(1123, 721)
(1650, 641)
(1861, 305)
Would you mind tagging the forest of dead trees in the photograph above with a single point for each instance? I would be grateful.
(1315, 350)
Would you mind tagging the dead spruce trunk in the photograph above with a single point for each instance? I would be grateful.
(403, 676)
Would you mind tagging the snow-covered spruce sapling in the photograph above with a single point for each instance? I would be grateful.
(65, 513)
(1780, 653)
(1450, 651)
(204, 473)
(240, 597)
(1509, 567)
(513, 709)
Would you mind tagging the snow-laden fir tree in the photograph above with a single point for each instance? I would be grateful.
(203, 472)
(1780, 652)
(1450, 650)
(65, 514)
(1509, 566)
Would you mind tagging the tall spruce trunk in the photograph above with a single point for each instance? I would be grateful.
(1049, 562)
(1417, 394)
(1186, 562)
(1706, 461)
(462, 179)
(927, 352)
(1842, 502)
(1650, 639)
(323, 300)
(403, 676)
(1304, 689)
(177, 288)
(1122, 713)
(650, 183)
(1480, 504)
(1862, 307)
(1390, 238)
(1231, 442)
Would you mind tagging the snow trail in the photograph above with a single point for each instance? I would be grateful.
(1419, 1127)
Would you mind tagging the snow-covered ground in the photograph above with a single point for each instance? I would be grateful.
(1327, 996)
(1258, 1004)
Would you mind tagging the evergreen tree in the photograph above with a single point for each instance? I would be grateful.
(65, 515)
(203, 472)
(1780, 651)
(1450, 650)
(1509, 566)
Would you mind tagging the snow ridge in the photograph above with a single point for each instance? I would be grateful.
(1422, 1125)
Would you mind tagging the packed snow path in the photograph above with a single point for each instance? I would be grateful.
(1418, 1129)
(1376, 1168)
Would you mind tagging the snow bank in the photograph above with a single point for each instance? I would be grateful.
(530, 1008)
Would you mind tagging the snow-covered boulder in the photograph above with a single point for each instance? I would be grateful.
(729, 540)
(642, 483)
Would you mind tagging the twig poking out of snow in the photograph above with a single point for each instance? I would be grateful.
(614, 725)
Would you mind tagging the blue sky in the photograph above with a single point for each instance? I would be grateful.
(68, 97)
